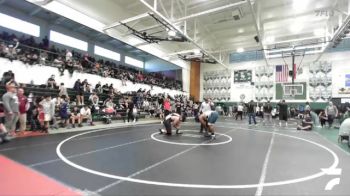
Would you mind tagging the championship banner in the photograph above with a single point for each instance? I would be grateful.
(242, 76)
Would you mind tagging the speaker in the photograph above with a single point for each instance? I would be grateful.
(290, 73)
(256, 39)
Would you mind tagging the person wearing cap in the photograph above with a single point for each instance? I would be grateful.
(11, 107)
(208, 120)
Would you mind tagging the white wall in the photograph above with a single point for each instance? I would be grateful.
(340, 66)
(39, 75)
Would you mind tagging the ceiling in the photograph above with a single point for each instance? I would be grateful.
(277, 23)
(54, 19)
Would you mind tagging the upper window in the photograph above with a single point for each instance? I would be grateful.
(134, 62)
(68, 40)
(107, 53)
(19, 25)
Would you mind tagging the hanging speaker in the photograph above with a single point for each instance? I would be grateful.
(290, 73)
(256, 39)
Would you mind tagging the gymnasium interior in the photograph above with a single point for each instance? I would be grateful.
(174, 97)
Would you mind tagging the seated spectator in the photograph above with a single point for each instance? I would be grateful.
(51, 83)
(85, 114)
(105, 89)
(98, 88)
(62, 91)
(75, 117)
(109, 106)
(306, 123)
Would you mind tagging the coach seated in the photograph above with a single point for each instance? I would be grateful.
(307, 122)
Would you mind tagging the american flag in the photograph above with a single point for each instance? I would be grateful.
(282, 73)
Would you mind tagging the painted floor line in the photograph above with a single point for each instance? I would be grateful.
(79, 139)
(260, 188)
(89, 152)
(335, 145)
(153, 166)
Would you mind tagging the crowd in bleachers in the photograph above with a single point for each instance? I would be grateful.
(27, 50)
(40, 107)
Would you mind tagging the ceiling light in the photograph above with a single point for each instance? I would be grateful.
(319, 32)
(296, 27)
(171, 33)
(270, 39)
(240, 50)
(300, 4)
(197, 51)
(240, 30)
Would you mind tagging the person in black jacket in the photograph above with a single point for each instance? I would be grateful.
(130, 111)
(283, 112)
(251, 112)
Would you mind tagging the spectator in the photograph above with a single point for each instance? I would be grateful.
(307, 122)
(130, 111)
(251, 112)
(323, 118)
(267, 109)
(98, 88)
(48, 109)
(64, 112)
(85, 113)
(51, 83)
(94, 101)
(75, 117)
(331, 112)
(307, 107)
(105, 89)
(62, 91)
(23, 108)
(11, 107)
(283, 112)
(79, 91)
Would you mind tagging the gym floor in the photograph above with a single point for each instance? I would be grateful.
(136, 160)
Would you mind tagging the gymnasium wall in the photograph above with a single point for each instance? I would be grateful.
(38, 75)
(340, 67)
(46, 26)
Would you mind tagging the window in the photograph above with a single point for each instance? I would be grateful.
(134, 62)
(19, 25)
(68, 41)
(107, 53)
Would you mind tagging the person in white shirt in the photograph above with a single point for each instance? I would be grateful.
(239, 111)
(85, 113)
(205, 106)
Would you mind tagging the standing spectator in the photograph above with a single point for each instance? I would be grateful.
(323, 118)
(94, 101)
(307, 107)
(331, 113)
(48, 108)
(23, 107)
(239, 111)
(51, 83)
(85, 113)
(283, 112)
(69, 56)
(98, 88)
(79, 91)
(251, 112)
(64, 112)
(62, 91)
(267, 109)
(130, 110)
(167, 106)
(11, 107)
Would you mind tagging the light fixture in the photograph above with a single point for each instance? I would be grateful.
(240, 50)
(196, 51)
(172, 33)
(297, 27)
(269, 39)
(300, 5)
(240, 30)
(319, 32)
